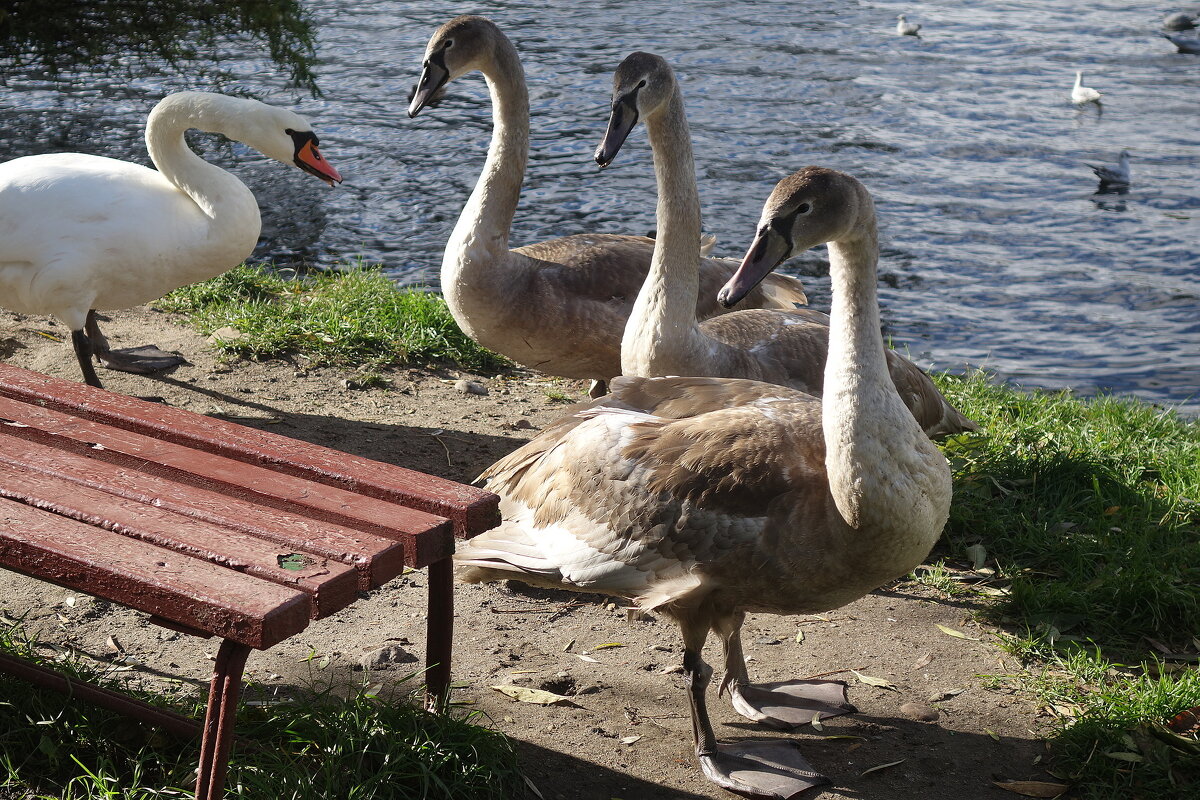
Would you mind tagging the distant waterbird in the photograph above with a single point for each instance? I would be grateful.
(1081, 94)
(906, 28)
(1113, 179)
(1179, 21)
(1184, 44)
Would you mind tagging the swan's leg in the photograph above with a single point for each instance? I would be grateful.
(141, 360)
(598, 389)
(772, 769)
(83, 352)
(784, 704)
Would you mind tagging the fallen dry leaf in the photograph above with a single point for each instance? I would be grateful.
(589, 659)
(872, 681)
(881, 766)
(607, 645)
(923, 661)
(538, 697)
(954, 633)
(978, 555)
(1032, 788)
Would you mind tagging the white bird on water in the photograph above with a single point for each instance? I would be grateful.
(1081, 94)
(1184, 44)
(906, 28)
(1113, 178)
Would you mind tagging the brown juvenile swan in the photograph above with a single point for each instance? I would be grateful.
(558, 306)
(663, 336)
(706, 498)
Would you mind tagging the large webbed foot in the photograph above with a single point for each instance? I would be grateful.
(140, 360)
(790, 704)
(771, 769)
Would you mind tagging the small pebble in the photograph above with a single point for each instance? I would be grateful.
(919, 711)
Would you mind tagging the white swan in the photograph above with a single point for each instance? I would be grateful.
(662, 336)
(83, 232)
(706, 498)
(558, 306)
(1113, 178)
(1183, 44)
(906, 28)
(1081, 94)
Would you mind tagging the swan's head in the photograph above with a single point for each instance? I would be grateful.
(275, 132)
(810, 207)
(642, 86)
(461, 45)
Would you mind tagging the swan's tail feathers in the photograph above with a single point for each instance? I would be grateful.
(783, 291)
(669, 592)
(707, 242)
(953, 421)
(505, 553)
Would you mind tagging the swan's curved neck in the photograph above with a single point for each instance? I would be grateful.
(870, 436)
(664, 315)
(222, 198)
(481, 234)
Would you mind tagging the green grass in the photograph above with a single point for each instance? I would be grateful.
(370, 746)
(1091, 512)
(347, 318)
(1090, 508)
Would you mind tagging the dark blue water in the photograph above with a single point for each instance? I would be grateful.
(996, 252)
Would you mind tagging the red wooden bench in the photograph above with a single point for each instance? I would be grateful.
(214, 529)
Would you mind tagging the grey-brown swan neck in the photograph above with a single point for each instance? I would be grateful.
(487, 217)
(875, 453)
(664, 314)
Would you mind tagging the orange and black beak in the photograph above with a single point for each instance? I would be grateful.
(309, 158)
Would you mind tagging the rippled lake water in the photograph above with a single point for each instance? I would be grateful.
(996, 251)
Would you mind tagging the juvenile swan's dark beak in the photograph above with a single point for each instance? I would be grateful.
(624, 116)
(768, 249)
(433, 77)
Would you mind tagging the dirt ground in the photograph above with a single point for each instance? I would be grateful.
(629, 736)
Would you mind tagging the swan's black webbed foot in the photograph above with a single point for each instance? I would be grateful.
(769, 769)
(790, 704)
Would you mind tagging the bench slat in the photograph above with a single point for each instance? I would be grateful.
(331, 585)
(415, 529)
(472, 510)
(377, 558)
(172, 585)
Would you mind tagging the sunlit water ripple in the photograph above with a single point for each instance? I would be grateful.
(996, 254)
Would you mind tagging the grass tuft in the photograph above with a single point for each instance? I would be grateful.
(320, 745)
(352, 318)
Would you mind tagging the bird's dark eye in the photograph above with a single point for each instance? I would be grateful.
(641, 84)
(288, 131)
(803, 208)
(448, 43)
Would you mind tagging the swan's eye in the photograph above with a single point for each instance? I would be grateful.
(803, 208)
(288, 131)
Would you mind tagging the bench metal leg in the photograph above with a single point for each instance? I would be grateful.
(220, 719)
(439, 633)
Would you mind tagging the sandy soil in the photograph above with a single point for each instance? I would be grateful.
(629, 736)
